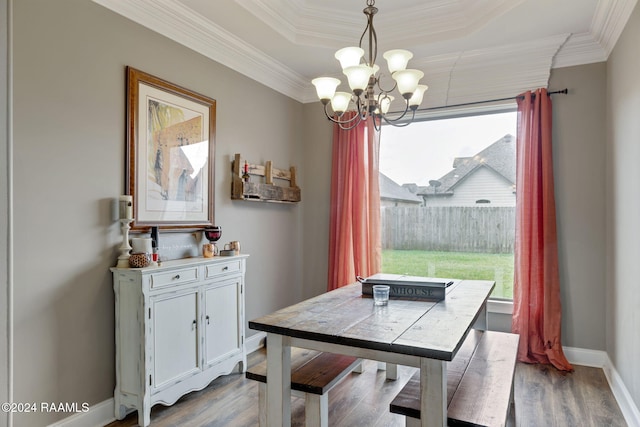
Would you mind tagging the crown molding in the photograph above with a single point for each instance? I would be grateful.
(609, 21)
(181, 24)
(502, 71)
(578, 50)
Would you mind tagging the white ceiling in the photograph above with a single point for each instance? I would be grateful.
(468, 49)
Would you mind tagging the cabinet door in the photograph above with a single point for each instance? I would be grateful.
(174, 337)
(222, 320)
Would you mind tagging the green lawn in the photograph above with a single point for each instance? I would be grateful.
(455, 265)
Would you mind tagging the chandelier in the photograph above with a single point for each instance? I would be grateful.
(368, 97)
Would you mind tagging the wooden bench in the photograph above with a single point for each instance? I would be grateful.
(313, 374)
(479, 383)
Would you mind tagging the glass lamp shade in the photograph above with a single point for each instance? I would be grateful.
(325, 87)
(349, 56)
(416, 98)
(340, 102)
(358, 77)
(407, 81)
(385, 103)
(397, 59)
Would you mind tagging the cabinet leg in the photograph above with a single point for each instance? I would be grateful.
(120, 409)
(144, 414)
(240, 367)
(144, 417)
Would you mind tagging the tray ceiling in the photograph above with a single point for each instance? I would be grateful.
(468, 49)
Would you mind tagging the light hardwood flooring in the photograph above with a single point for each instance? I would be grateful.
(544, 397)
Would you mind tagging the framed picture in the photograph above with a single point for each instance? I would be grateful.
(170, 153)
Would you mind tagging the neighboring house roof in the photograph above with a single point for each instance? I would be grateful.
(499, 156)
(390, 190)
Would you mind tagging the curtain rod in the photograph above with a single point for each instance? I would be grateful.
(563, 91)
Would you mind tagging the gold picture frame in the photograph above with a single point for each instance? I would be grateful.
(170, 153)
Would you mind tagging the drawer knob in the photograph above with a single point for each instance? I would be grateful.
(176, 277)
(225, 268)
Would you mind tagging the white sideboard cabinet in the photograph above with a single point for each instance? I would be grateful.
(178, 327)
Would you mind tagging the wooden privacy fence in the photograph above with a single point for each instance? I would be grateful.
(450, 228)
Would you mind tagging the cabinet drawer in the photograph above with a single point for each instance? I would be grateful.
(174, 277)
(222, 268)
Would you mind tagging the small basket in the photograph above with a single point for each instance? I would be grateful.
(140, 260)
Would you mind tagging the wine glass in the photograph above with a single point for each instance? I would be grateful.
(213, 234)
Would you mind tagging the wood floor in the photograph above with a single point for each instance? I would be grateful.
(544, 397)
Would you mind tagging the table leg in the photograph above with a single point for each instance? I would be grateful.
(390, 368)
(433, 392)
(482, 323)
(278, 381)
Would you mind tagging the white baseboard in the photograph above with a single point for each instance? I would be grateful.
(622, 395)
(98, 415)
(255, 342)
(103, 413)
(600, 359)
(584, 357)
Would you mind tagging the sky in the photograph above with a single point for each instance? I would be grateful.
(425, 150)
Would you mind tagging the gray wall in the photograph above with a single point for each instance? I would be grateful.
(317, 160)
(70, 59)
(579, 169)
(623, 207)
(4, 213)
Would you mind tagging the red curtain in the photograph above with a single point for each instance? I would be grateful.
(354, 226)
(536, 291)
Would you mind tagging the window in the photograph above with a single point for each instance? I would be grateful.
(448, 200)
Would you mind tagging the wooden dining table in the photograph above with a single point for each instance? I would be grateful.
(420, 333)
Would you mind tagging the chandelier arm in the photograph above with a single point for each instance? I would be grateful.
(401, 116)
(369, 11)
(360, 105)
(379, 78)
(352, 122)
(366, 29)
(352, 126)
(373, 42)
(378, 126)
(330, 117)
(402, 124)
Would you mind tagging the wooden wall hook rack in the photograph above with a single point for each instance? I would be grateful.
(259, 184)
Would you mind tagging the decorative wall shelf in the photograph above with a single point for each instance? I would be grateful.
(260, 184)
